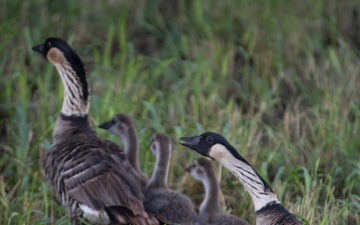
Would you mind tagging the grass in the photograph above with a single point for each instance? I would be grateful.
(279, 79)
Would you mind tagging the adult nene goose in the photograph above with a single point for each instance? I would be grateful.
(268, 209)
(90, 177)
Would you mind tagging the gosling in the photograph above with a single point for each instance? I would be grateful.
(209, 211)
(160, 200)
(122, 126)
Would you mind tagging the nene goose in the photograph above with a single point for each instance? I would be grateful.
(268, 209)
(92, 182)
(174, 207)
(123, 127)
(209, 211)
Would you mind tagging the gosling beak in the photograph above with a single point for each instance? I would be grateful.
(188, 169)
(106, 125)
(190, 142)
(38, 48)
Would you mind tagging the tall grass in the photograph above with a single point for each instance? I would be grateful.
(279, 79)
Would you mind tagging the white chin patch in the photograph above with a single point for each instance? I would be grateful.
(245, 173)
(94, 216)
(220, 153)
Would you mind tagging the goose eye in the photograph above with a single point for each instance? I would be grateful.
(48, 44)
(209, 139)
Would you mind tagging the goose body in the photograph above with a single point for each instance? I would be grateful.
(209, 211)
(90, 177)
(123, 127)
(174, 207)
(268, 209)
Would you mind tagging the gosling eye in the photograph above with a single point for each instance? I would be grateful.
(209, 139)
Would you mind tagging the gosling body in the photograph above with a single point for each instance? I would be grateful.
(174, 207)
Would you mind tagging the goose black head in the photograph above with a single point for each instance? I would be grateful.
(212, 145)
(56, 49)
(203, 143)
(215, 146)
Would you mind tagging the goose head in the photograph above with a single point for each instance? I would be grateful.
(57, 50)
(213, 145)
(119, 125)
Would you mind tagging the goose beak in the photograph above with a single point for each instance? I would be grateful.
(188, 169)
(190, 142)
(38, 48)
(106, 125)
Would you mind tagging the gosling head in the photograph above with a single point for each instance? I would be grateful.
(119, 125)
(200, 168)
(160, 143)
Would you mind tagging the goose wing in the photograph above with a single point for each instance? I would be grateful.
(100, 176)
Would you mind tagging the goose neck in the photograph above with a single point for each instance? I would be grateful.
(161, 170)
(131, 147)
(70, 127)
(76, 91)
(210, 203)
(260, 192)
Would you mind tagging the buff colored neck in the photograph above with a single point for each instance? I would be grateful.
(76, 92)
(260, 192)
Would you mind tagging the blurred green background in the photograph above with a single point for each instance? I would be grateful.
(279, 79)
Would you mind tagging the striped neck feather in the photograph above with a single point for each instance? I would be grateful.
(76, 92)
(260, 192)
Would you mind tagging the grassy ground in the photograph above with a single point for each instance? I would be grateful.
(279, 79)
